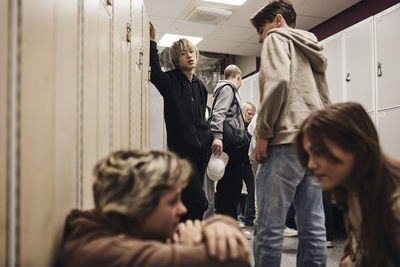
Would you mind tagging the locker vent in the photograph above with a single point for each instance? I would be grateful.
(207, 15)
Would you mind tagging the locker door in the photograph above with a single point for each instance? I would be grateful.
(334, 52)
(359, 64)
(121, 53)
(136, 74)
(145, 61)
(104, 86)
(4, 95)
(388, 57)
(389, 131)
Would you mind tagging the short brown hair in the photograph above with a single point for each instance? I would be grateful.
(269, 12)
(232, 71)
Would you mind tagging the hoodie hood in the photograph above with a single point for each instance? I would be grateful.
(221, 83)
(307, 42)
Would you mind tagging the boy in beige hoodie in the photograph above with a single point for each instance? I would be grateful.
(292, 85)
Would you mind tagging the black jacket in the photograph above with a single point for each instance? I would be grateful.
(184, 109)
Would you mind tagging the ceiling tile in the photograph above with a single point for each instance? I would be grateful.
(163, 8)
(231, 33)
(191, 28)
(324, 8)
(247, 50)
(241, 17)
(161, 24)
(258, 4)
(217, 46)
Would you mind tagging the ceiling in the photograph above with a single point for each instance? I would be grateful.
(234, 35)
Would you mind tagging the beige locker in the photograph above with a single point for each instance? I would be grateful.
(48, 93)
(104, 85)
(4, 94)
(95, 91)
(121, 54)
(136, 95)
(145, 80)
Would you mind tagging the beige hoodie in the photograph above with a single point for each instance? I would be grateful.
(292, 83)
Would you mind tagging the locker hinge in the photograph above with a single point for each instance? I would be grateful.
(128, 32)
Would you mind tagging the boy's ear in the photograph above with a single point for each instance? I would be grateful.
(278, 19)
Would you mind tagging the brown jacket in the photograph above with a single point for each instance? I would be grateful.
(90, 241)
(292, 83)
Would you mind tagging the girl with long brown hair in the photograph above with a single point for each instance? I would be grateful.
(340, 145)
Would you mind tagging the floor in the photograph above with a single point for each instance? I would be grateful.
(290, 249)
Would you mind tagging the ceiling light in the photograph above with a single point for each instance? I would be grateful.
(168, 39)
(228, 2)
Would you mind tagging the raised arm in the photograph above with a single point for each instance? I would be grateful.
(158, 77)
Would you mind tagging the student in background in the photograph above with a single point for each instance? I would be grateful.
(227, 107)
(136, 219)
(340, 145)
(292, 85)
(249, 213)
(185, 99)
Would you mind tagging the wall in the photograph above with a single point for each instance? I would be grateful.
(351, 16)
(246, 64)
(74, 96)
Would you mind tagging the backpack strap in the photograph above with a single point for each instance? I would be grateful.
(218, 92)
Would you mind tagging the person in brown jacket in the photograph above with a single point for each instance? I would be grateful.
(136, 219)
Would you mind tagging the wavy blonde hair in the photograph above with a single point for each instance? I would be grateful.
(130, 183)
(248, 105)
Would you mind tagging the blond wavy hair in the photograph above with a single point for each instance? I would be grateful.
(130, 183)
(248, 105)
(176, 49)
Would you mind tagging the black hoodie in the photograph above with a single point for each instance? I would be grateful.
(184, 109)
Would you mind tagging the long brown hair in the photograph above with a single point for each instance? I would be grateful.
(374, 179)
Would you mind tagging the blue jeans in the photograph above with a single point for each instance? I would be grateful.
(280, 181)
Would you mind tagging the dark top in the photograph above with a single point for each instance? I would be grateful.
(184, 109)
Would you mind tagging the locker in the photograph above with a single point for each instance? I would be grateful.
(137, 123)
(359, 64)
(389, 131)
(145, 61)
(120, 90)
(334, 51)
(89, 98)
(47, 126)
(104, 86)
(388, 57)
(4, 95)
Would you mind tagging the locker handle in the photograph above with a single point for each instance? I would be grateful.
(128, 32)
(348, 79)
(109, 2)
(379, 72)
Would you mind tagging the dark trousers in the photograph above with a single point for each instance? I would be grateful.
(328, 218)
(248, 210)
(228, 189)
(193, 196)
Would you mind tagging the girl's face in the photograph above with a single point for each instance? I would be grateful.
(163, 221)
(329, 171)
(249, 114)
(187, 59)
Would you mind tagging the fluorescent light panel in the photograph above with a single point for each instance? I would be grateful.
(168, 39)
(228, 2)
